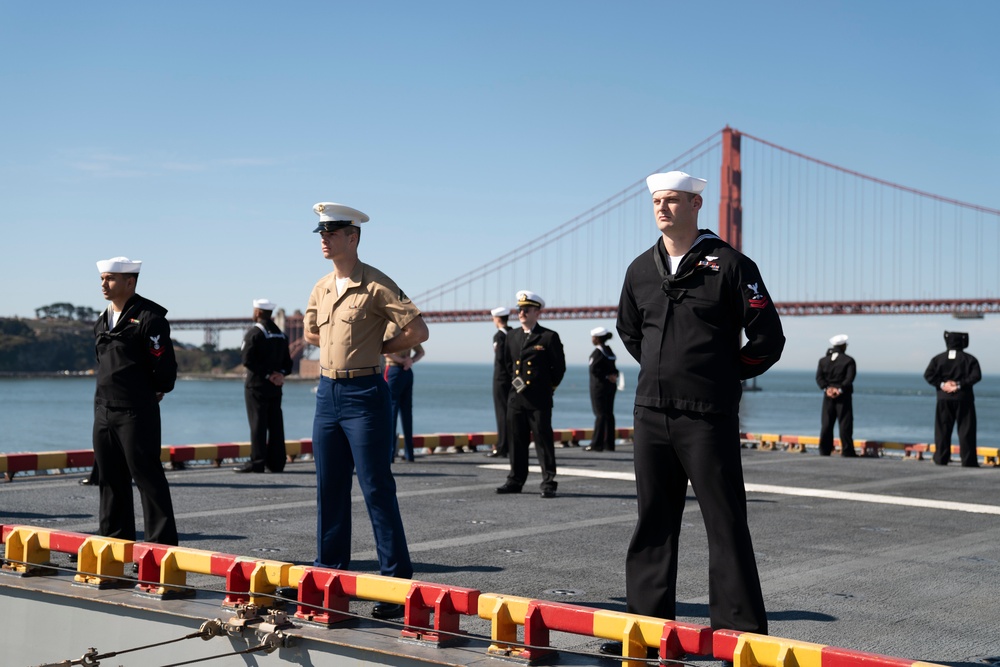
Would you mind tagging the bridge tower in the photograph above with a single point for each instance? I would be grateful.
(730, 190)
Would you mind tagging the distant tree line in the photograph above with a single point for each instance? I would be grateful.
(67, 311)
(39, 349)
(62, 339)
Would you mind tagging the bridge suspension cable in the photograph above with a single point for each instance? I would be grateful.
(827, 239)
(608, 236)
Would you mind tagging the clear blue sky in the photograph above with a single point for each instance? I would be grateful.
(197, 136)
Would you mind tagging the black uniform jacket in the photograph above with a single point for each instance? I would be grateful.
(135, 360)
(963, 369)
(538, 359)
(265, 351)
(837, 372)
(501, 375)
(684, 329)
(602, 364)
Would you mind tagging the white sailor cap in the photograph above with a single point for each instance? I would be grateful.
(264, 304)
(529, 298)
(119, 265)
(598, 331)
(677, 181)
(334, 216)
(839, 339)
(500, 311)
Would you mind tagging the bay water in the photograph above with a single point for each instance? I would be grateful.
(56, 413)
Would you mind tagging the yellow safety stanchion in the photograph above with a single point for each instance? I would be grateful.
(101, 561)
(266, 577)
(753, 650)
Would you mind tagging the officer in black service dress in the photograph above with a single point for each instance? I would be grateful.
(835, 376)
(603, 386)
(267, 359)
(953, 373)
(135, 368)
(536, 364)
(501, 380)
(684, 304)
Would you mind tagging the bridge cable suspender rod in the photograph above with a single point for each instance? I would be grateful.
(565, 228)
(880, 181)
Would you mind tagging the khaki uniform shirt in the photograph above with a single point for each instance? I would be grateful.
(351, 327)
(391, 332)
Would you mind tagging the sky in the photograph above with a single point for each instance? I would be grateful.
(197, 136)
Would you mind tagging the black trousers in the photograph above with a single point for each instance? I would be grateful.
(671, 447)
(127, 447)
(945, 416)
(522, 421)
(267, 429)
(501, 394)
(840, 410)
(603, 402)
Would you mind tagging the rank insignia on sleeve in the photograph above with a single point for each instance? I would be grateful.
(757, 300)
(155, 348)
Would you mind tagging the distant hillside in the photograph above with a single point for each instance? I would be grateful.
(53, 345)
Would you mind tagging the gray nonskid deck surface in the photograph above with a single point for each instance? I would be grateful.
(913, 582)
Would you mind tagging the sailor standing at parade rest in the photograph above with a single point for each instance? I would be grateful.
(835, 376)
(953, 373)
(348, 312)
(603, 386)
(136, 366)
(266, 357)
(684, 304)
(501, 380)
(536, 364)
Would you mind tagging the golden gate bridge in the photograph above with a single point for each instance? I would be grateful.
(829, 241)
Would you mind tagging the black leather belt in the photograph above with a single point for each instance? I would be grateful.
(349, 373)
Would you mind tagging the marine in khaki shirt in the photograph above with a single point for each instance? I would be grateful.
(349, 326)
(347, 316)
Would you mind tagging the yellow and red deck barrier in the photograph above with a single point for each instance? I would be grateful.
(323, 596)
(11, 464)
(871, 448)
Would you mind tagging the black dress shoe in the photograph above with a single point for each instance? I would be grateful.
(86, 481)
(289, 593)
(591, 448)
(611, 648)
(246, 467)
(548, 493)
(615, 648)
(508, 488)
(387, 610)
(492, 455)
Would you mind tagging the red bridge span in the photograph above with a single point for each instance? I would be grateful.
(829, 241)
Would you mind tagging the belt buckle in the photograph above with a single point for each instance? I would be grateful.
(351, 373)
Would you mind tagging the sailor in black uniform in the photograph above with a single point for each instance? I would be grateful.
(267, 359)
(835, 376)
(684, 304)
(536, 364)
(135, 368)
(501, 380)
(603, 385)
(953, 373)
